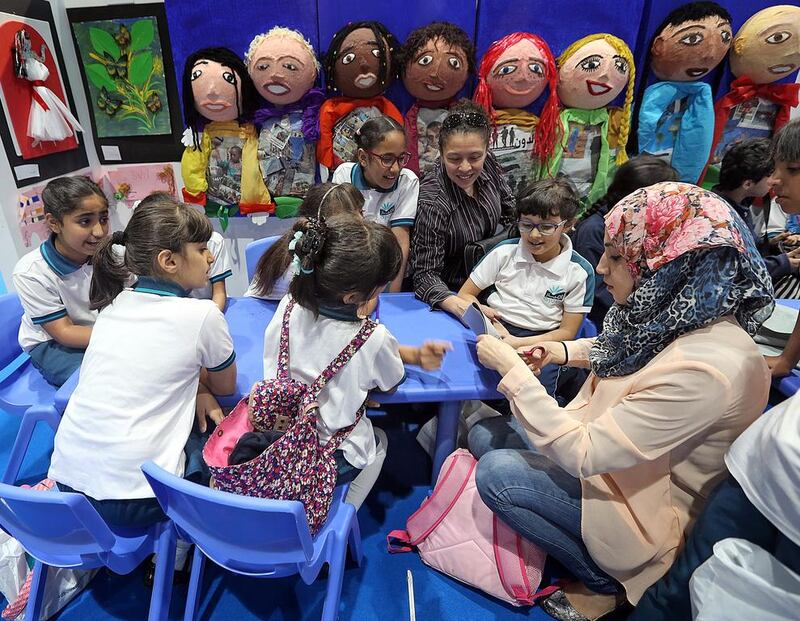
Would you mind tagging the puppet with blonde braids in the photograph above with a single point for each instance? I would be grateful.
(766, 49)
(360, 64)
(592, 73)
(513, 74)
(284, 68)
(676, 115)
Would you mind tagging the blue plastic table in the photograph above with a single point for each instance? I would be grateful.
(790, 384)
(412, 322)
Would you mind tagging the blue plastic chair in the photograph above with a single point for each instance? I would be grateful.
(64, 530)
(260, 538)
(253, 252)
(587, 330)
(21, 385)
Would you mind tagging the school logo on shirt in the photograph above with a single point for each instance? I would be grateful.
(387, 209)
(554, 295)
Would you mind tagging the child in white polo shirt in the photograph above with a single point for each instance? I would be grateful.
(390, 190)
(150, 347)
(543, 288)
(53, 281)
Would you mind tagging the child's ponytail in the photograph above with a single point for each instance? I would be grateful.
(109, 273)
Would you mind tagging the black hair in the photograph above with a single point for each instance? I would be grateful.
(638, 172)
(786, 143)
(451, 34)
(341, 255)
(554, 196)
(158, 223)
(64, 195)
(749, 159)
(231, 60)
(465, 117)
(388, 48)
(338, 198)
(372, 133)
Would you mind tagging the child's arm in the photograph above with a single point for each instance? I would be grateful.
(404, 239)
(470, 291)
(567, 331)
(67, 333)
(219, 295)
(429, 356)
(206, 407)
(219, 382)
(782, 365)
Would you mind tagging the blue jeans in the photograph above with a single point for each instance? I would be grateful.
(728, 513)
(535, 497)
(55, 361)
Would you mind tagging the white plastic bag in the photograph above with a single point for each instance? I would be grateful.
(13, 566)
(743, 582)
(472, 412)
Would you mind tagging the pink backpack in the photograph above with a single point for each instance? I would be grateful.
(456, 533)
(295, 466)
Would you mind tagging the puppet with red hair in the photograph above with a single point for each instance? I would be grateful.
(514, 72)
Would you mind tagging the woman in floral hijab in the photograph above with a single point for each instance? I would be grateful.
(616, 477)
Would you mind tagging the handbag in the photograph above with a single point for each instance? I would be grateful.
(475, 251)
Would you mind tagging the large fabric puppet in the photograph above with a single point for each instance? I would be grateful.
(592, 73)
(435, 62)
(676, 115)
(360, 64)
(220, 163)
(514, 72)
(766, 49)
(284, 68)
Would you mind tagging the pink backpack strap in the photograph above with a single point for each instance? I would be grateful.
(449, 487)
(283, 350)
(511, 563)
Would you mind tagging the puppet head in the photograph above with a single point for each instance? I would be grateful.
(513, 73)
(360, 61)
(691, 42)
(767, 46)
(282, 64)
(435, 62)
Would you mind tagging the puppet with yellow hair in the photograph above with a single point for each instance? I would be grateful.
(593, 72)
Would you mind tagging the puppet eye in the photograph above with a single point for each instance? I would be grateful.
(778, 37)
(196, 74)
(536, 68)
(621, 65)
(506, 70)
(726, 36)
(290, 66)
(348, 58)
(454, 62)
(376, 53)
(262, 66)
(229, 77)
(693, 38)
(590, 64)
(425, 60)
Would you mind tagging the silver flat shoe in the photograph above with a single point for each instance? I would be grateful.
(557, 606)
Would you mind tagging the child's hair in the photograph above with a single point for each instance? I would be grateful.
(554, 196)
(63, 195)
(343, 255)
(465, 117)
(639, 172)
(450, 34)
(750, 159)
(158, 223)
(324, 200)
(372, 133)
(786, 143)
(388, 47)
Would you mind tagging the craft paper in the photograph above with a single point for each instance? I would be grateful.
(131, 184)
(30, 217)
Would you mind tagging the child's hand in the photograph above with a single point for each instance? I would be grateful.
(207, 407)
(778, 366)
(506, 336)
(432, 353)
(490, 313)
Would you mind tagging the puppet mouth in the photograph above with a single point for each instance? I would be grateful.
(696, 72)
(525, 88)
(433, 87)
(276, 88)
(781, 68)
(597, 88)
(216, 106)
(365, 80)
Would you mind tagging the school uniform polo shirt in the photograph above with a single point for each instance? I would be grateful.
(534, 295)
(220, 268)
(135, 399)
(50, 286)
(396, 206)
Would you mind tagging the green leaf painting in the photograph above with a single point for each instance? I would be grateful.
(124, 68)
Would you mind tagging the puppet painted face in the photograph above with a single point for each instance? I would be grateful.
(357, 72)
(592, 77)
(689, 51)
(437, 72)
(767, 46)
(282, 69)
(518, 77)
(217, 90)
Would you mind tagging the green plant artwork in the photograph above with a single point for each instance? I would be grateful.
(124, 68)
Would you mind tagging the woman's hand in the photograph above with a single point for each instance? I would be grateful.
(455, 305)
(542, 354)
(778, 366)
(495, 354)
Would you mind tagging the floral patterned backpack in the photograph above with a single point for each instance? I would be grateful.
(296, 466)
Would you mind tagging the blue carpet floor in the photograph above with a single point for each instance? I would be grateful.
(376, 590)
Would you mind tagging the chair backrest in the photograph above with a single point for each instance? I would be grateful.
(59, 529)
(10, 317)
(240, 533)
(253, 252)
(587, 330)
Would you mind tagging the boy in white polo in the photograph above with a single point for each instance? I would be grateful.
(220, 270)
(543, 288)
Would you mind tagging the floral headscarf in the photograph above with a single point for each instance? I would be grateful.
(693, 261)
